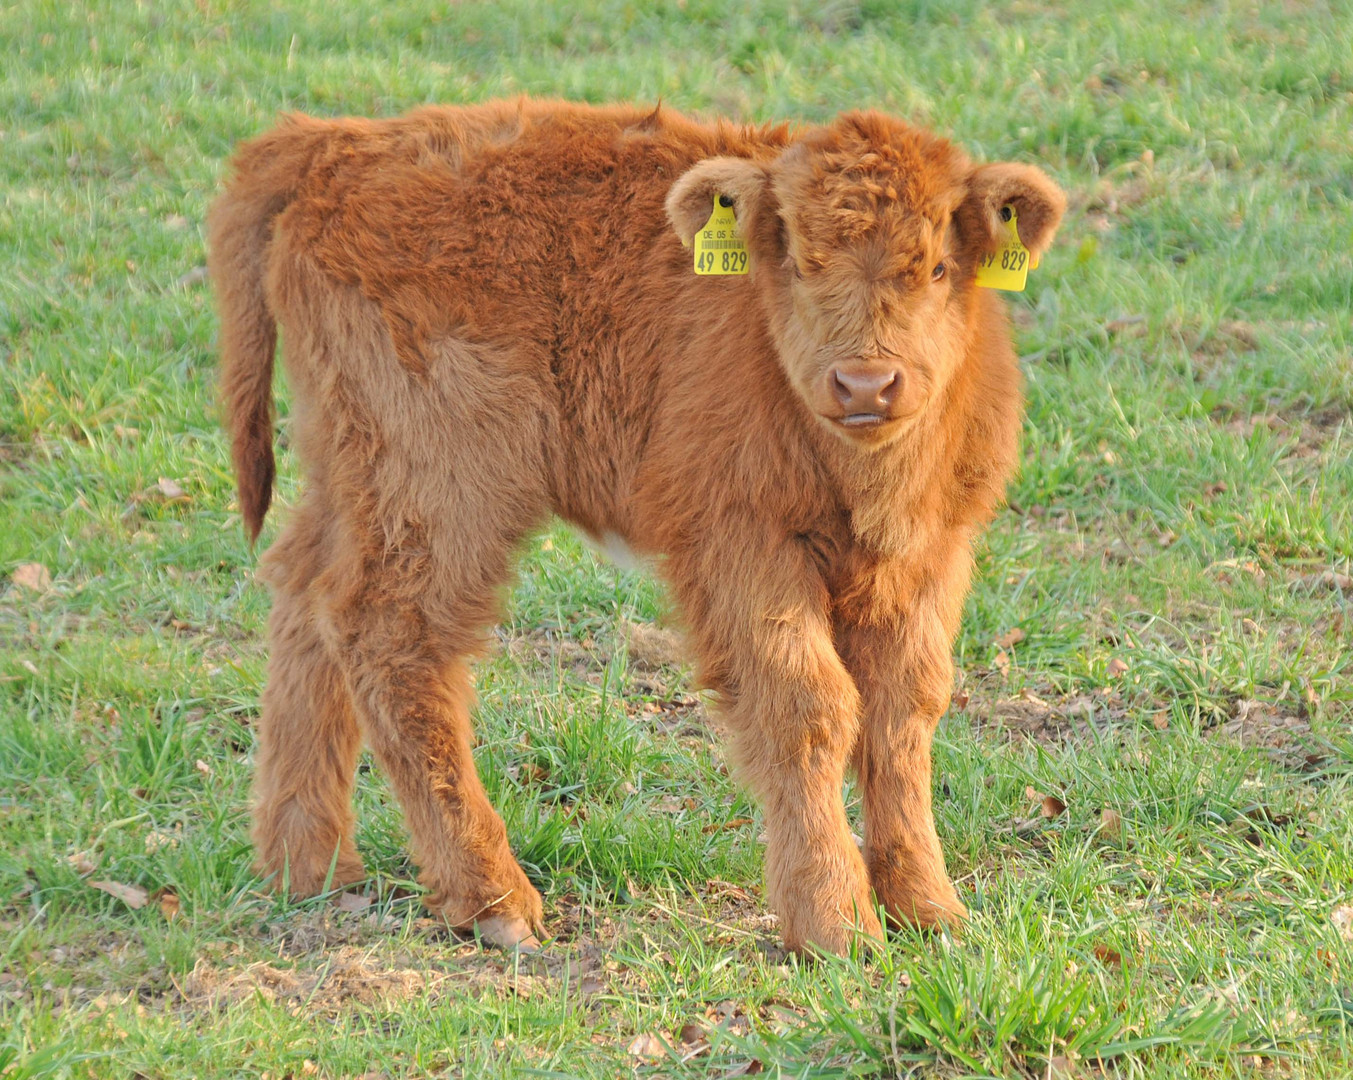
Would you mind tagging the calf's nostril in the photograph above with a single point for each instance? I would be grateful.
(864, 392)
(841, 389)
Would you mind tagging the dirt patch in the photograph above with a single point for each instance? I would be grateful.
(1283, 734)
(548, 649)
(1308, 432)
(1284, 737)
(12, 451)
(652, 647)
(349, 978)
(1227, 338)
(1045, 718)
(657, 672)
(680, 714)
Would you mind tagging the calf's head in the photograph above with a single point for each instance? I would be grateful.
(864, 238)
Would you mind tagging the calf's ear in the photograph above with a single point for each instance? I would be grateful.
(691, 200)
(1038, 204)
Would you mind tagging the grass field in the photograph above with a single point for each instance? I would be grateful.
(1173, 563)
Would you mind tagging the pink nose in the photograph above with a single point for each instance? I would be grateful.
(864, 392)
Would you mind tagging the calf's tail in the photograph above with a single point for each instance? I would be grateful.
(239, 231)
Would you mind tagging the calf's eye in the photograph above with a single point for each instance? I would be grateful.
(938, 273)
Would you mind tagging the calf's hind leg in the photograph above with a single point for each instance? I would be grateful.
(430, 515)
(434, 475)
(404, 643)
(308, 740)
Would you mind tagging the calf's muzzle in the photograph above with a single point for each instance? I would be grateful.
(864, 394)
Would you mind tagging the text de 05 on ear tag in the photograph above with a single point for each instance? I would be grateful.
(1008, 266)
(718, 247)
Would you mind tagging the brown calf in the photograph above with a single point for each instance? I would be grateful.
(490, 317)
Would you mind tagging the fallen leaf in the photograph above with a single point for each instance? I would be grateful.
(1053, 806)
(1002, 662)
(169, 904)
(1060, 1068)
(1110, 823)
(528, 772)
(170, 490)
(714, 887)
(132, 895)
(202, 767)
(788, 1017)
(351, 901)
(1011, 638)
(729, 1015)
(82, 862)
(32, 576)
(1161, 721)
(195, 276)
(1116, 668)
(1108, 956)
(647, 1046)
(736, 823)
(690, 1034)
(1117, 326)
(1342, 918)
(747, 1068)
(961, 698)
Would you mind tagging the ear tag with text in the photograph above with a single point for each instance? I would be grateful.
(1008, 266)
(718, 247)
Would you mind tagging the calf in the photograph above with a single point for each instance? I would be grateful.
(491, 315)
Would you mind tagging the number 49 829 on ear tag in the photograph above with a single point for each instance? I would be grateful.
(1008, 266)
(718, 247)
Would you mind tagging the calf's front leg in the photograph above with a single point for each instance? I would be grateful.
(763, 637)
(902, 664)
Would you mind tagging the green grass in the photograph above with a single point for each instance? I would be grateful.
(1188, 467)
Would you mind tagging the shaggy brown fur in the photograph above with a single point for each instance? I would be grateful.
(490, 317)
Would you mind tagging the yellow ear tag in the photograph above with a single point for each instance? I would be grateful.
(1008, 266)
(718, 247)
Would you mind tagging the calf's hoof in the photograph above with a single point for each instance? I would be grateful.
(508, 932)
(830, 919)
(928, 903)
(309, 876)
(508, 916)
